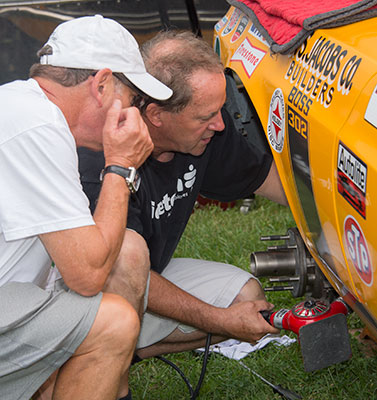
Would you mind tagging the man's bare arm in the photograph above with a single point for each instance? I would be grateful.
(85, 255)
(272, 187)
(240, 321)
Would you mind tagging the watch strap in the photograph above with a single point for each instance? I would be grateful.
(129, 174)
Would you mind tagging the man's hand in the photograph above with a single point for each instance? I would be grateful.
(126, 139)
(243, 321)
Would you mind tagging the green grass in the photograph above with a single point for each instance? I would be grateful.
(229, 236)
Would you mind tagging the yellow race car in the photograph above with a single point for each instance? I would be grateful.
(317, 108)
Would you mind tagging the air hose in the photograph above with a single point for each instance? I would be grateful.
(193, 392)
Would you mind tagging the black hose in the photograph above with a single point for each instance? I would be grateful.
(194, 393)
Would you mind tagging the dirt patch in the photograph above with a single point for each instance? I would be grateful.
(363, 336)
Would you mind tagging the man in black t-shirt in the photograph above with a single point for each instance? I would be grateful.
(197, 150)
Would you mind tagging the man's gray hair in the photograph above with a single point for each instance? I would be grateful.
(173, 57)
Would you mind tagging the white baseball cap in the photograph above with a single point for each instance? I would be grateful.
(96, 42)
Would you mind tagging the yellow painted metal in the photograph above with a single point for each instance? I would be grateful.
(325, 100)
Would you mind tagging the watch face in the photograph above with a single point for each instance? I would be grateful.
(133, 181)
(137, 182)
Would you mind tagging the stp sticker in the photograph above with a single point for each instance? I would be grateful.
(249, 56)
(276, 121)
(357, 247)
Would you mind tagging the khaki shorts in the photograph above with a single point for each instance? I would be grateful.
(212, 282)
(39, 332)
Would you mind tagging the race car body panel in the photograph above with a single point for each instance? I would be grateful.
(318, 109)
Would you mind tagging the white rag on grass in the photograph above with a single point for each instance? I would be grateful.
(237, 350)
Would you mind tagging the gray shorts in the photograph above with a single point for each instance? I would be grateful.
(39, 332)
(212, 282)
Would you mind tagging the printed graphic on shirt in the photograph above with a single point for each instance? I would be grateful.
(183, 189)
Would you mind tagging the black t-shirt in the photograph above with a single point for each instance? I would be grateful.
(229, 169)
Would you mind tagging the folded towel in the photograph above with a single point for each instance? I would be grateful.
(237, 350)
(286, 24)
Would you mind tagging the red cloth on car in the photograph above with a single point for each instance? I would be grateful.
(285, 24)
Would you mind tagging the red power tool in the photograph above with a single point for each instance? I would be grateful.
(321, 328)
(304, 313)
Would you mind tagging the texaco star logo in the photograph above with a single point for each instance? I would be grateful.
(276, 121)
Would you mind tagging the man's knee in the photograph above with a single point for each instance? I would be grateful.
(120, 318)
(251, 291)
(134, 251)
(115, 328)
(131, 269)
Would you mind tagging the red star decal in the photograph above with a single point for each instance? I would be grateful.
(277, 113)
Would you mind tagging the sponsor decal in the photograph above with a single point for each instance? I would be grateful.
(276, 121)
(371, 111)
(220, 25)
(318, 71)
(240, 29)
(298, 123)
(357, 247)
(249, 56)
(232, 22)
(255, 32)
(352, 178)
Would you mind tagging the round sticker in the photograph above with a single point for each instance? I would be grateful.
(358, 250)
(276, 121)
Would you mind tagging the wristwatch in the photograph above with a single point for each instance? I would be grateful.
(129, 174)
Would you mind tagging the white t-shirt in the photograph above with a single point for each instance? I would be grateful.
(40, 189)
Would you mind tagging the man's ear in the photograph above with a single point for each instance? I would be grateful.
(153, 113)
(102, 85)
